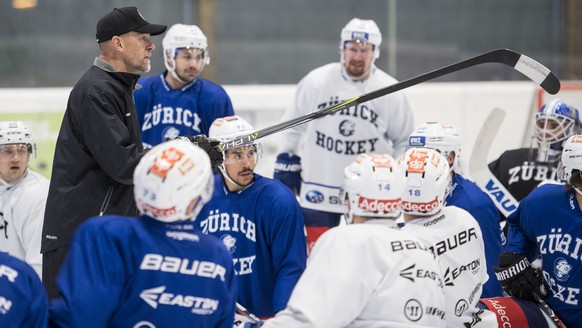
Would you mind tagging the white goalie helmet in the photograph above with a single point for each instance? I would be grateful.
(440, 136)
(173, 181)
(183, 36)
(571, 157)
(372, 187)
(364, 30)
(426, 181)
(16, 132)
(555, 122)
(227, 128)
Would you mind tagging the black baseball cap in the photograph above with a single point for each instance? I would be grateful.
(124, 20)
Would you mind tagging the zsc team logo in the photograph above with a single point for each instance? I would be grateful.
(314, 196)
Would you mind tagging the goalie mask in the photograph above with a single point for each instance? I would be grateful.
(371, 187)
(230, 127)
(442, 137)
(555, 122)
(426, 181)
(173, 181)
(183, 36)
(15, 132)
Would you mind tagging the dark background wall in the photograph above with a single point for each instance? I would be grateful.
(277, 41)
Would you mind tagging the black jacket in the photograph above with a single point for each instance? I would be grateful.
(97, 149)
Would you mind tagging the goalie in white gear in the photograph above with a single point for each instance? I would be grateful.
(23, 195)
(313, 155)
(188, 104)
(465, 194)
(365, 274)
(450, 232)
(126, 266)
(258, 220)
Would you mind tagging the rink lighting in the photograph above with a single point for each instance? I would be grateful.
(23, 4)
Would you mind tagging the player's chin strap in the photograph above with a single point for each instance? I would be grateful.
(222, 169)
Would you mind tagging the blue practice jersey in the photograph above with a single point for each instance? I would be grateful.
(140, 272)
(263, 228)
(468, 196)
(164, 113)
(23, 301)
(549, 221)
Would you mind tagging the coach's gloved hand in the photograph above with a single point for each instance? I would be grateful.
(519, 279)
(209, 146)
(288, 171)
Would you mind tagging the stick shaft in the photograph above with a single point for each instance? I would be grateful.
(525, 65)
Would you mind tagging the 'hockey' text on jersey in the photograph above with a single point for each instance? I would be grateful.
(346, 147)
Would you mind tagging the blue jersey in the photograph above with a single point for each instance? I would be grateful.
(468, 196)
(262, 226)
(164, 113)
(122, 271)
(549, 222)
(23, 301)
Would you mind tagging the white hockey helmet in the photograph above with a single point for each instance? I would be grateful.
(555, 122)
(363, 30)
(571, 157)
(426, 181)
(372, 187)
(227, 128)
(15, 132)
(173, 181)
(183, 36)
(441, 136)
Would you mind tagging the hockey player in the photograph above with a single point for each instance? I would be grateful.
(450, 232)
(156, 268)
(332, 142)
(259, 221)
(547, 222)
(178, 102)
(367, 274)
(522, 170)
(465, 194)
(23, 194)
(23, 301)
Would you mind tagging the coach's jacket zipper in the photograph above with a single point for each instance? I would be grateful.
(106, 201)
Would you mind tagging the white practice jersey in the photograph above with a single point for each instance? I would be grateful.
(328, 144)
(366, 275)
(21, 217)
(455, 237)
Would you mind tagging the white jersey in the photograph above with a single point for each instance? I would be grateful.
(455, 237)
(21, 217)
(364, 275)
(332, 142)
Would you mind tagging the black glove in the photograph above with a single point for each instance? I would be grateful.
(209, 146)
(288, 171)
(519, 279)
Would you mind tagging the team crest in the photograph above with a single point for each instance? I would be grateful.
(347, 128)
(562, 269)
(229, 242)
(170, 133)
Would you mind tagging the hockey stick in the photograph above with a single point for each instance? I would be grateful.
(523, 64)
(549, 312)
(248, 314)
(479, 168)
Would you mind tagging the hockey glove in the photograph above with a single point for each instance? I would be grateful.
(288, 171)
(209, 146)
(519, 279)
